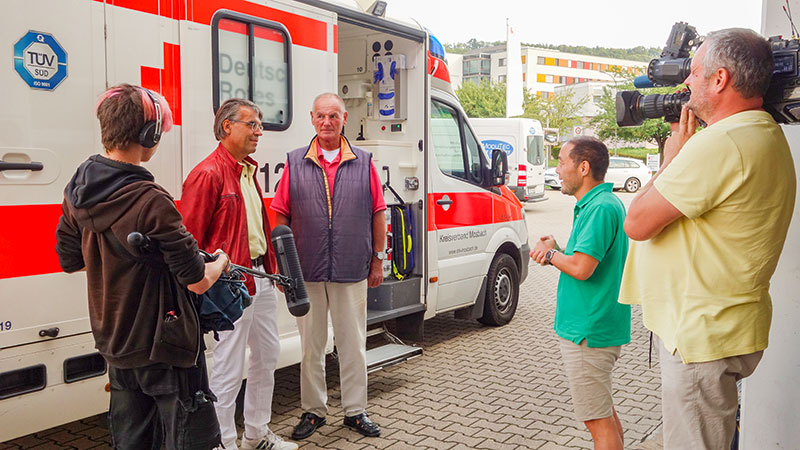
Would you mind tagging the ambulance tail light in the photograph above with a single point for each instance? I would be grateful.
(522, 175)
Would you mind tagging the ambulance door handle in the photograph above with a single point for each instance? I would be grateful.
(34, 166)
(444, 201)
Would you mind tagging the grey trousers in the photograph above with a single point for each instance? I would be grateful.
(699, 400)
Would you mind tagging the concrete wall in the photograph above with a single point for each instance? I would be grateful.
(771, 397)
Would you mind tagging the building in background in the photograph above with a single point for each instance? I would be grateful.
(543, 69)
(547, 72)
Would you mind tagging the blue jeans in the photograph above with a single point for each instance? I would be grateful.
(162, 404)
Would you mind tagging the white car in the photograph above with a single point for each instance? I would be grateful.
(626, 173)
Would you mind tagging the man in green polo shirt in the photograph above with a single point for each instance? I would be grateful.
(592, 326)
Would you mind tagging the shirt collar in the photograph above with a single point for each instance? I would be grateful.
(594, 192)
(345, 152)
(230, 161)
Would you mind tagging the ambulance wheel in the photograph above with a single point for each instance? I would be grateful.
(502, 291)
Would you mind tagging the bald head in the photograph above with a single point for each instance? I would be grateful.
(328, 96)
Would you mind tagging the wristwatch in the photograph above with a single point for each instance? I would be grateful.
(549, 255)
(380, 255)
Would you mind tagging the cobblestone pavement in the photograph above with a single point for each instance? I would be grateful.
(475, 387)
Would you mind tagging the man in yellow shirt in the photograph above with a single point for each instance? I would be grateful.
(712, 223)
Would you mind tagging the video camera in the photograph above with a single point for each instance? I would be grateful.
(782, 99)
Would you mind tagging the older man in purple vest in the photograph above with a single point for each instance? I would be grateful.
(331, 195)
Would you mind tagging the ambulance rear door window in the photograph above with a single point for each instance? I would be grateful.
(252, 60)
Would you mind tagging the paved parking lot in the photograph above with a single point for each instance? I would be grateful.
(475, 387)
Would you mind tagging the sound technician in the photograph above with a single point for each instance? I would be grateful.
(159, 388)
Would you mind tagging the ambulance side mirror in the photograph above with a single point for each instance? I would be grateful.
(499, 167)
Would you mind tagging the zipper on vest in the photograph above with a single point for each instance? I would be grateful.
(330, 216)
(328, 196)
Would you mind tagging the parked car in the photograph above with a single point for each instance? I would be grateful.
(626, 173)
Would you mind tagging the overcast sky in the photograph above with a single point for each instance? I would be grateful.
(615, 23)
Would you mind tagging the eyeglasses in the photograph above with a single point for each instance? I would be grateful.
(255, 126)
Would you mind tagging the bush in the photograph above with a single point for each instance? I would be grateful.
(634, 152)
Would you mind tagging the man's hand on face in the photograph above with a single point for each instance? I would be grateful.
(544, 244)
(375, 277)
(681, 132)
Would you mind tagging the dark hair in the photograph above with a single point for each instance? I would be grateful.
(122, 111)
(592, 150)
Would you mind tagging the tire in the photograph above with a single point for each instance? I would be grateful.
(632, 184)
(502, 291)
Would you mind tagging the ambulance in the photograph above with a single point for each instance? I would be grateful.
(523, 141)
(468, 235)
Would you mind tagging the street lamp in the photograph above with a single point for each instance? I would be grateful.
(614, 80)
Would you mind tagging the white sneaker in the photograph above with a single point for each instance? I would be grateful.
(270, 441)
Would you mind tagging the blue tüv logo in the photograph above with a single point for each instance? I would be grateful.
(40, 60)
(494, 144)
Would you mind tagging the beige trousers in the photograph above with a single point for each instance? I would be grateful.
(699, 400)
(347, 303)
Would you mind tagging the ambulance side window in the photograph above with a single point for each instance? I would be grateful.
(458, 153)
(446, 136)
(252, 60)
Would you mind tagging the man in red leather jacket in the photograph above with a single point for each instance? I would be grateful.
(223, 207)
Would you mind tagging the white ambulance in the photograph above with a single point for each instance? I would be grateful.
(469, 233)
(523, 142)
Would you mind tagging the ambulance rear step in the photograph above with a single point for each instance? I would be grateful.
(390, 354)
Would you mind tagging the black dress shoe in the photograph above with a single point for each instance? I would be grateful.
(363, 425)
(309, 422)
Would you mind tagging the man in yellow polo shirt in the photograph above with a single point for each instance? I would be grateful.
(713, 222)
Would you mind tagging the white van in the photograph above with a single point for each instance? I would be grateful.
(469, 232)
(523, 142)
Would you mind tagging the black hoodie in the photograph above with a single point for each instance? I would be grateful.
(105, 200)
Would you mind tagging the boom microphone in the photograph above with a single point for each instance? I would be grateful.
(140, 241)
(289, 266)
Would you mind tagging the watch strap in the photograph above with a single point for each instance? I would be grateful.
(549, 256)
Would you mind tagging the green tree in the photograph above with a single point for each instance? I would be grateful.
(558, 111)
(483, 100)
(651, 130)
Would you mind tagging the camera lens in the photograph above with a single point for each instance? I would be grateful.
(669, 72)
(633, 107)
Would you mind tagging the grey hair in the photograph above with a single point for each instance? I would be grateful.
(230, 110)
(745, 54)
(332, 95)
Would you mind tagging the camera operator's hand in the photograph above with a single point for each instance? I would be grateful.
(681, 132)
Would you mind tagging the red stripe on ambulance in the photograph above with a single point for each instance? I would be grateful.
(473, 208)
(27, 257)
(36, 255)
(304, 31)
